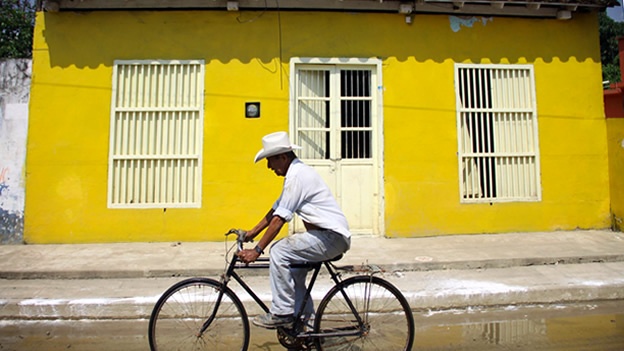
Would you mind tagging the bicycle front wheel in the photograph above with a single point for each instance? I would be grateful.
(188, 307)
(385, 318)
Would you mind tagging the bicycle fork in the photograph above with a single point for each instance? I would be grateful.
(212, 315)
(223, 287)
(225, 278)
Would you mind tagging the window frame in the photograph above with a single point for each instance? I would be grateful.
(511, 99)
(333, 67)
(191, 106)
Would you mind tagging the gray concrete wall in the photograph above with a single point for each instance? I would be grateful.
(14, 93)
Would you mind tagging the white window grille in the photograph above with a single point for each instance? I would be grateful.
(155, 151)
(497, 133)
(334, 112)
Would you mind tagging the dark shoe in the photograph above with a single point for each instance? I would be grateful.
(272, 321)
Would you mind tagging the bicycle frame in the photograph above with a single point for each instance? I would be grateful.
(360, 309)
(262, 263)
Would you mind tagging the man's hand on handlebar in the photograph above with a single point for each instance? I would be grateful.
(242, 236)
(248, 237)
(248, 256)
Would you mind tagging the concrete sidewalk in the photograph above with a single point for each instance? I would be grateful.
(111, 281)
(148, 260)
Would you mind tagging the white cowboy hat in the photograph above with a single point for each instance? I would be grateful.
(275, 144)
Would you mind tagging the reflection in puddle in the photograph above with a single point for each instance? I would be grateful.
(506, 333)
(589, 327)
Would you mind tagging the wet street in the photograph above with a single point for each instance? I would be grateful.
(595, 326)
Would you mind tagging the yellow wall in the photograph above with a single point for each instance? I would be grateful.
(245, 61)
(615, 139)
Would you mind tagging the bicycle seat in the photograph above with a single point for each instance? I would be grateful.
(337, 258)
(307, 264)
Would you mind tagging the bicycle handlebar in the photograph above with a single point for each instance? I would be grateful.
(240, 237)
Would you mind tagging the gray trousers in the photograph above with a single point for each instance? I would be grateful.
(288, 284)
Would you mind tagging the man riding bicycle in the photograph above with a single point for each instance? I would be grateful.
(327, 232)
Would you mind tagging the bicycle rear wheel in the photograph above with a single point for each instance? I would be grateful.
(180, 313)
(387, 320)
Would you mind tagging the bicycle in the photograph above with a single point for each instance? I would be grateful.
(362, 312)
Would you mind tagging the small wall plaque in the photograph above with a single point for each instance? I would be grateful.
(252, 109)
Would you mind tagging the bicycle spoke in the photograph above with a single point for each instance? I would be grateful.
(179, 316)
(387, 323)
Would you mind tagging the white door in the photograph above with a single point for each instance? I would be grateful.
(334, 117)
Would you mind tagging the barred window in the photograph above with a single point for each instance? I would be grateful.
(497, 133)
(334, 112)
(156, 129)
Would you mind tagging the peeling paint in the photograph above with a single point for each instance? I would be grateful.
(458, 22)
(11, 227)
(14, 94)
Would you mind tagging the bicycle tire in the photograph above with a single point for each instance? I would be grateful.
(181, 311)
(387, 316)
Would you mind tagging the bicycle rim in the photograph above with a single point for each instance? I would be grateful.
(180, 313)
(388, 323)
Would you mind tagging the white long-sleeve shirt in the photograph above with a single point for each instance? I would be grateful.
(306, 194)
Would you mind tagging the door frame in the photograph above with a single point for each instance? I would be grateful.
(378, 142)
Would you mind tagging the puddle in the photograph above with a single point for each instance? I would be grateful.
(544, 327)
